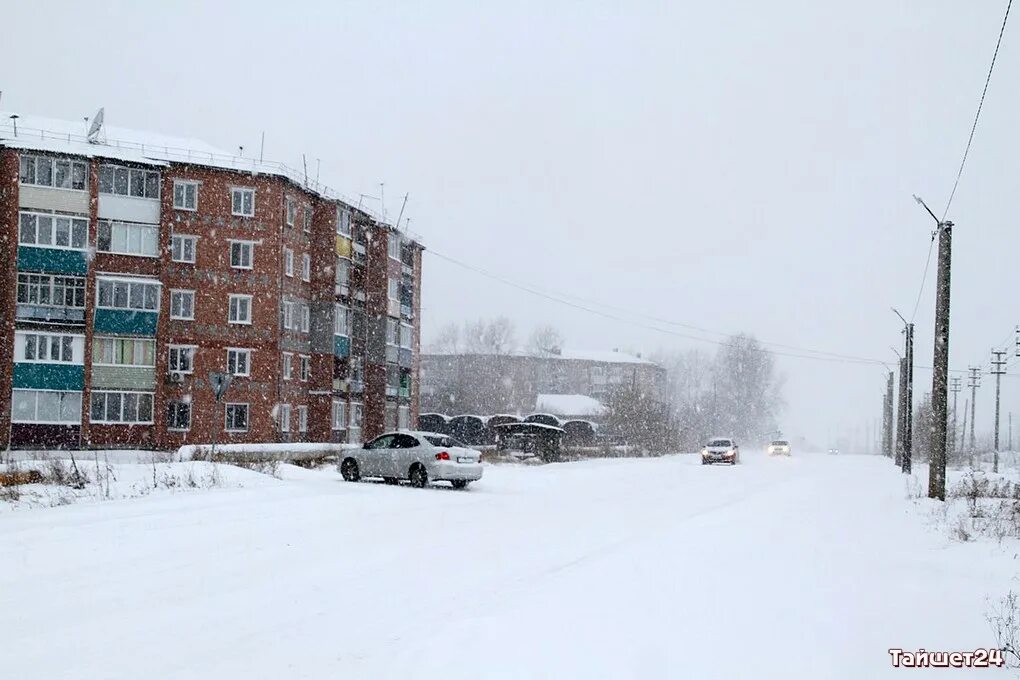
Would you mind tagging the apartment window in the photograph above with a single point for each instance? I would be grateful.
(288, 365)
(127, 294)
(242, 202)
(123, 352)
(392, 332)
(46, 348)
(239, 361)
(178, 415)
(183, 248)
(339, 419)
(52, 231)
(239, 309)
(392, 289)
(121, 407)
(305, 367)
(356, 413)
(283, 417)
(121, 181)
(357, 370)
(242, 254)
(343, 272)
(393, 246)
(390, 417)
(185, 195)
(288, 259)
(182, 358)
(406, 336)
(306, 214)
(182, 304)
(128, 238)
(306, 267)
(306, 318)
(60, 173)
(403, 417)
(291, 211)
(288, 314)
(354, 431)
(45, 406)
(343, 222)
(302, 412)
(341, 320)
(51, 291)
(236, 419)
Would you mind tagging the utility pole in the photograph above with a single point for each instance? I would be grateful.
(940, 374)
(900, 412)
(963, 433)
(975, 382)
(908, 397)
(887, 418)
(951, 445)
(998, 370)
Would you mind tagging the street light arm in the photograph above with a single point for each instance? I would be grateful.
(905, 322)
(925, 205)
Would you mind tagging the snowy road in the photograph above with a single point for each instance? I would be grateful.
(661, 568)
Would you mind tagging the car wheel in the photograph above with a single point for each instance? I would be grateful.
(704, 462)
(459, 483)
(390, 480)
(349, 470)
(419, 476)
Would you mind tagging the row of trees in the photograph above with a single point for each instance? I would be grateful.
(734, 392)
(493, 336)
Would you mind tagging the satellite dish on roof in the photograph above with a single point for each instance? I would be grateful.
(96, 127)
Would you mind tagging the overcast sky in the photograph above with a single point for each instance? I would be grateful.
(739, 166)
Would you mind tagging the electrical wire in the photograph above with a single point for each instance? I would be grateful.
(977, 115)
(798, 352)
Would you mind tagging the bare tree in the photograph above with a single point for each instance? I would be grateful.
(447, 340)
(545, 340)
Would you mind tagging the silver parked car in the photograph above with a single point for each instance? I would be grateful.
(420, 457)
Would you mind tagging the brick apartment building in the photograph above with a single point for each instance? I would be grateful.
(140, 264)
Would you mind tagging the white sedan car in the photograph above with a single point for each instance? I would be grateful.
(420, 457)
(779, 447)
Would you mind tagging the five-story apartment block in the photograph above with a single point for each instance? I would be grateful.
(140, 265)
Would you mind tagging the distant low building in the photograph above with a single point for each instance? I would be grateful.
(512, 383)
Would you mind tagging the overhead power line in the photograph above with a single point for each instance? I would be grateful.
(977, 115)
(559, 297)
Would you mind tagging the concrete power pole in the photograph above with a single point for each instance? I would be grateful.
(908, 415)
(974, 383)
(951, 445)
(963, 432)
(940, 376)
(998, 370)
(901, 409)
(887, 418)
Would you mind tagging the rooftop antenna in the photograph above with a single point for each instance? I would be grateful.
(96, 128)
(382, 199)
(402, 206)
(318, 165)
(305, 164)
(86, 125)
(14, 120)
(262, 146)
(240, 150)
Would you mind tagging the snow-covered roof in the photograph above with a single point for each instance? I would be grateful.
(569, 405)
(605, 356)
(601, 356)
(40, 133)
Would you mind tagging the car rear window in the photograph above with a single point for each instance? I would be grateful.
(436, 440)
(719, 442)
(780, 442)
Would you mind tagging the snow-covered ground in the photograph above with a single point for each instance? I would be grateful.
(810, 567)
